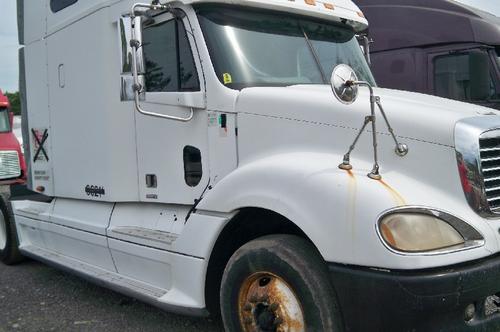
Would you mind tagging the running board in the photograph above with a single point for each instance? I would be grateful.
(158, 236)
(121, 284)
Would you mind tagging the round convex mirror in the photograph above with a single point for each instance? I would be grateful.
(345, 93)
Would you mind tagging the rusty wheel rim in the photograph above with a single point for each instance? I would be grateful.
(268, 303)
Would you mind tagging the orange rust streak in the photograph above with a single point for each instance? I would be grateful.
(397, 196)
(329, 6)
(351, 174)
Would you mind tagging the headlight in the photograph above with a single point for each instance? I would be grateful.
(415, 230)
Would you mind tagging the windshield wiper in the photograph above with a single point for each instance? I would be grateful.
(315, 55)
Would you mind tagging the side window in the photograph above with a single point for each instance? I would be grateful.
(57, 5)
(169, 60)
(4, 120)
(159, 45)
(465, 77)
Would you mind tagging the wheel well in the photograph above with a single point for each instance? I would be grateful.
(247, 225)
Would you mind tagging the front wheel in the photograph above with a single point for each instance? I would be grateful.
(278, 283)
(9, 247)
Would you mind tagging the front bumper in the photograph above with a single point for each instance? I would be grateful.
(424, 300)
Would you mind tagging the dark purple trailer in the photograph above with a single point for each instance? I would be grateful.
(438, 47)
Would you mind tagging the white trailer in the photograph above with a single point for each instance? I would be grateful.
(191, 152)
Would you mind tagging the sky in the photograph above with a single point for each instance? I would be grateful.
(492, 6)
(9, 45)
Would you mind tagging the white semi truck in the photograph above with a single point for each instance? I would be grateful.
(235, 157)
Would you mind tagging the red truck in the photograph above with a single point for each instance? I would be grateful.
(12, 175)
(12, 164)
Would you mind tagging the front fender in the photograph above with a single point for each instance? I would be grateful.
(336, 209)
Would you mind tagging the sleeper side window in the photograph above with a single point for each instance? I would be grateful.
(464, 77)
(57, 5)
(169, 60)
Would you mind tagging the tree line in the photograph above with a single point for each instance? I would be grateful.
(15, 102)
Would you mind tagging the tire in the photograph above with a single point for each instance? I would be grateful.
(278, 283)
(9, 244)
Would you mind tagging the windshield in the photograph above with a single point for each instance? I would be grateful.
(250, 48)
(4, 120)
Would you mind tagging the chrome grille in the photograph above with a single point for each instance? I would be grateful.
(490, 167)
(9, 165)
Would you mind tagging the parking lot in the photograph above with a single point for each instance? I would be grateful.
(35, 297)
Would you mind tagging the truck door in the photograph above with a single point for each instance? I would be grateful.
(172, 155)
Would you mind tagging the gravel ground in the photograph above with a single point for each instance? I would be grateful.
(35, 297)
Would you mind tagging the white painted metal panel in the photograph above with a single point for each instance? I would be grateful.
(37, 99)
(160, 142)
(105, 277)
(291, 141)
(80, 9)
(28, 232)
(33, 210)
(35, 20)
(148, 265)
(73, 228)
(92, 217)
(92, 131)
(183, 276)
(83, 246)
(204, 228)
(160, 145)
(222, 145)
(152, 225)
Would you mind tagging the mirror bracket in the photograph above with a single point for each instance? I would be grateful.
(366, 41)
(135, 18)
(343, 79)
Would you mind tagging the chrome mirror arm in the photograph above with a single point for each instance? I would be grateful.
(135, 45)
(401, 149)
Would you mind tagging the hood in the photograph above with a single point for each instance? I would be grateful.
(8, 141)
(413, 116)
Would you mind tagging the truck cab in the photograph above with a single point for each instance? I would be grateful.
(12, 165)
(238, 158)
(443, 48)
